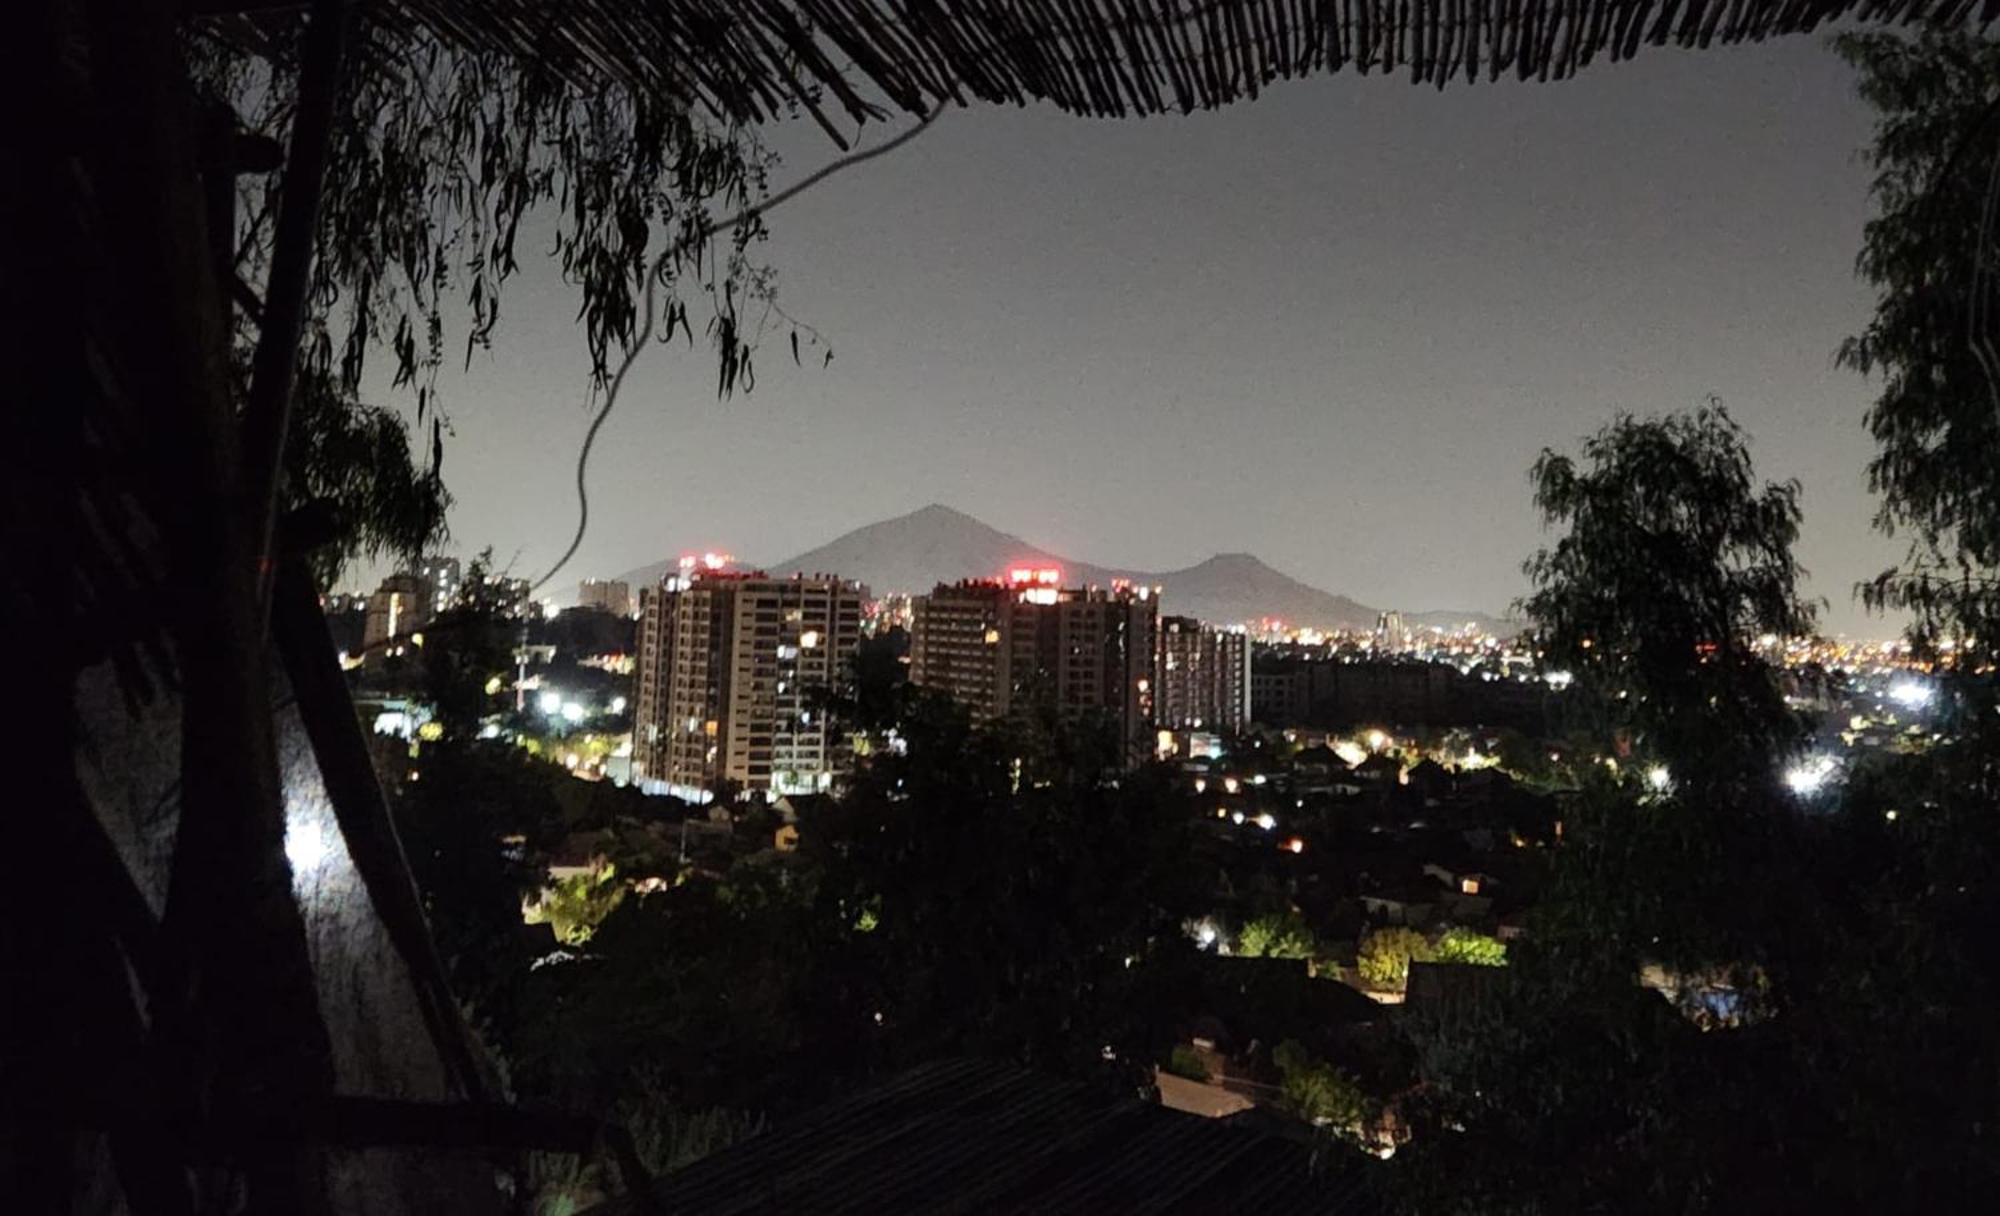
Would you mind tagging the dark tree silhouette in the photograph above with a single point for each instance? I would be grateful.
(1671, 563)
(1932, 252)
(1823, 1047)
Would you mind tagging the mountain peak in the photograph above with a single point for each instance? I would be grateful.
(937, 543)
(940, 511)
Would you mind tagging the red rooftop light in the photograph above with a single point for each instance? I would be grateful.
(1044, 576)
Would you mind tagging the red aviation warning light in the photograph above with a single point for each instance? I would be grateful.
(1035, 576)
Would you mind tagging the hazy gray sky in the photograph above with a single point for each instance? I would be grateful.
(1331, 327)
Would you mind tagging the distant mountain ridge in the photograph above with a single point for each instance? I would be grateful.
(917, 551)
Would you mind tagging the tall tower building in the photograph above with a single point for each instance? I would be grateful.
(399, 607)
(442, 575)
(1202, 676)
(730, 664)
(996, 646)
(609, 595)
(1391, 633)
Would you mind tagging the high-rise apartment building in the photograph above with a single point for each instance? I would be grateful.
(606, 594)
(998, 647)
(1202, 678)
(399, 607)
(441, 576)
(730, 664)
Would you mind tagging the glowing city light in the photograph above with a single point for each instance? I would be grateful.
(1267, 821)
(1035, 576)
(572, 712)
(1911, 695)
(1809, 776)
(1294, 845)
(549, 703)
(617, 705)
(1658, 777)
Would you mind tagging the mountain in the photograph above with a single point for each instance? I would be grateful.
(1232, 587)
(915, 552)
(937, 544)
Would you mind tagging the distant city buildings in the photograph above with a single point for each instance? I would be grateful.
(1391, 634)
(1202, 677)
(442, 576)
(998, 646)
(1296, 687)
(729, 667)
(399, 607)
(607, 595)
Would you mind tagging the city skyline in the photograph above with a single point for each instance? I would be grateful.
(1331, 329)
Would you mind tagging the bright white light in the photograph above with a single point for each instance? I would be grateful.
(572, 712)
(1559, 679)
(1237, 817)
(1658, 777)
(1267, 821)
(1911, 695)
(1377, 740)
(1205, 935)
(305, 846)
(550, 702)
(1229, 784)
(1808, 777)
(618, 704)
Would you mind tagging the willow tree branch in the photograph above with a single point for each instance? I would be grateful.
(642, 334)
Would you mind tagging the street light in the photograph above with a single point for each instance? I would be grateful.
(1911, 694)
(1809, 776)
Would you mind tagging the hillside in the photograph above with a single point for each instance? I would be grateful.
(915, 552)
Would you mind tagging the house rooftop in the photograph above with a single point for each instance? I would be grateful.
(979, 1136)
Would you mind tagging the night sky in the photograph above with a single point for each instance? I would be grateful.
(1331, 327)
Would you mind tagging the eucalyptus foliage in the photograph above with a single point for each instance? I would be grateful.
(1671, 561)
(439, 159)
(1931, 251)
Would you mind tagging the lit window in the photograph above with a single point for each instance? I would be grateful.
(1469, 886)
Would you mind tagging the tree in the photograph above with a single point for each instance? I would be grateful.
(1279, 935)
(1460, 945)
(1569, 1087)
(1316, 1091)
(1185, 1061)
(478, 826)
(438, 157)
(1672, 561)
(573, 907)
(1931, 252)
(1385, 956)
(1017, 899)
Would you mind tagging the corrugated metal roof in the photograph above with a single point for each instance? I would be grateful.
(964, 1136)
